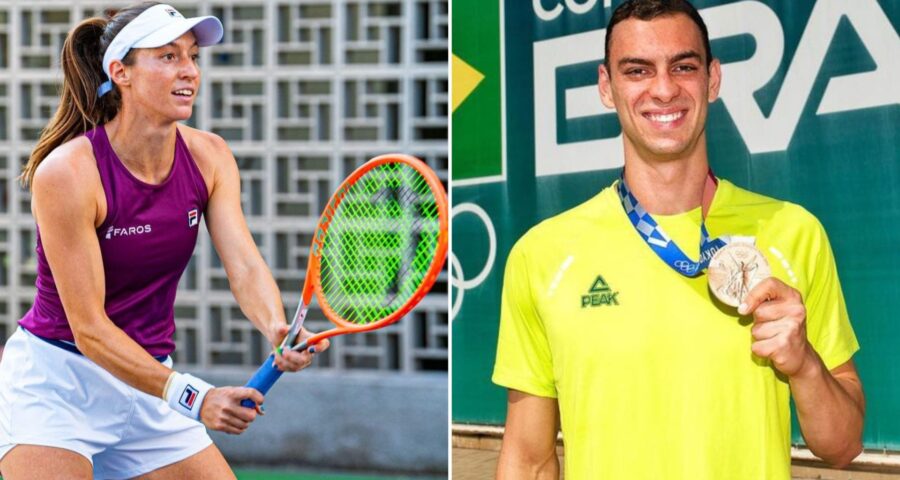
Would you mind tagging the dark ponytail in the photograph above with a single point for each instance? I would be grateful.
(80, 109)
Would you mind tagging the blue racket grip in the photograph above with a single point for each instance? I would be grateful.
(263, 379)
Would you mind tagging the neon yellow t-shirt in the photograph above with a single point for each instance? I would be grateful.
(654, 378)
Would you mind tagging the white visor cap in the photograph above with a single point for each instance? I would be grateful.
(155, 27)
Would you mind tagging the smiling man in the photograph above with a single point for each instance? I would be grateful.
(610, 330)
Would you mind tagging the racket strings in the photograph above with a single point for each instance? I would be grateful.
(380, 243)
(393, 269)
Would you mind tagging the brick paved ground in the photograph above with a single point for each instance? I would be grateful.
(479, 464)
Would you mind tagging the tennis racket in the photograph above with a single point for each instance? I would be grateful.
(376, 252)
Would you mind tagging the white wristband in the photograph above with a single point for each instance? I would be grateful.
(185, 394)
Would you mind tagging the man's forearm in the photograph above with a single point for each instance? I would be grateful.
(830, 411)
(512, 465)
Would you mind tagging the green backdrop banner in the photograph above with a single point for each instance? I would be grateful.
(809, 112)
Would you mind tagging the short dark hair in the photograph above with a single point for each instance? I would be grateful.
(648, 10)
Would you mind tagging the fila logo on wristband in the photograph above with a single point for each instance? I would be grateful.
(188, 397)
(185, 394)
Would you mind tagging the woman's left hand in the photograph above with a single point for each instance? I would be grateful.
(291, 361)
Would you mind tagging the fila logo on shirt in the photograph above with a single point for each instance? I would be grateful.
(188, 396)
(600, 294)
(114, 231)
(193, 218)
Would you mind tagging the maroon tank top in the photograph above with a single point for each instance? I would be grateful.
(146, 241)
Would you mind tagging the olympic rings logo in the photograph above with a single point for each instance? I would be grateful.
(457, 277)
(686, 267)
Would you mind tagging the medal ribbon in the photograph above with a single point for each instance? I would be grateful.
(660, 242)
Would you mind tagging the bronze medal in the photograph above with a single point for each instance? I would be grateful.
(734, 270)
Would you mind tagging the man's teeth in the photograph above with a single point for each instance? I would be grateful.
(671, 117)
(184, 92)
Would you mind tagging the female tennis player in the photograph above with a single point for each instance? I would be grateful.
(118, 189)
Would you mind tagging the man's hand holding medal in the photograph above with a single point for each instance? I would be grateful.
(779, 326)
(740, 276)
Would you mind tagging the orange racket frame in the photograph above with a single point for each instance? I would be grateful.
(267, 374)
(437, 263)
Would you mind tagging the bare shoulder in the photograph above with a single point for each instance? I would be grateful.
(70, 167)
(208, 149)
(68, 183)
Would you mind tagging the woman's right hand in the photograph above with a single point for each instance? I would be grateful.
(222, 410)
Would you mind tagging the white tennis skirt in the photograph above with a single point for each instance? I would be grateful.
(56, 398)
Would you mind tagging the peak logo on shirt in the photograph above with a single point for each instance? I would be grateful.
(114, 231)
(599, 294)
